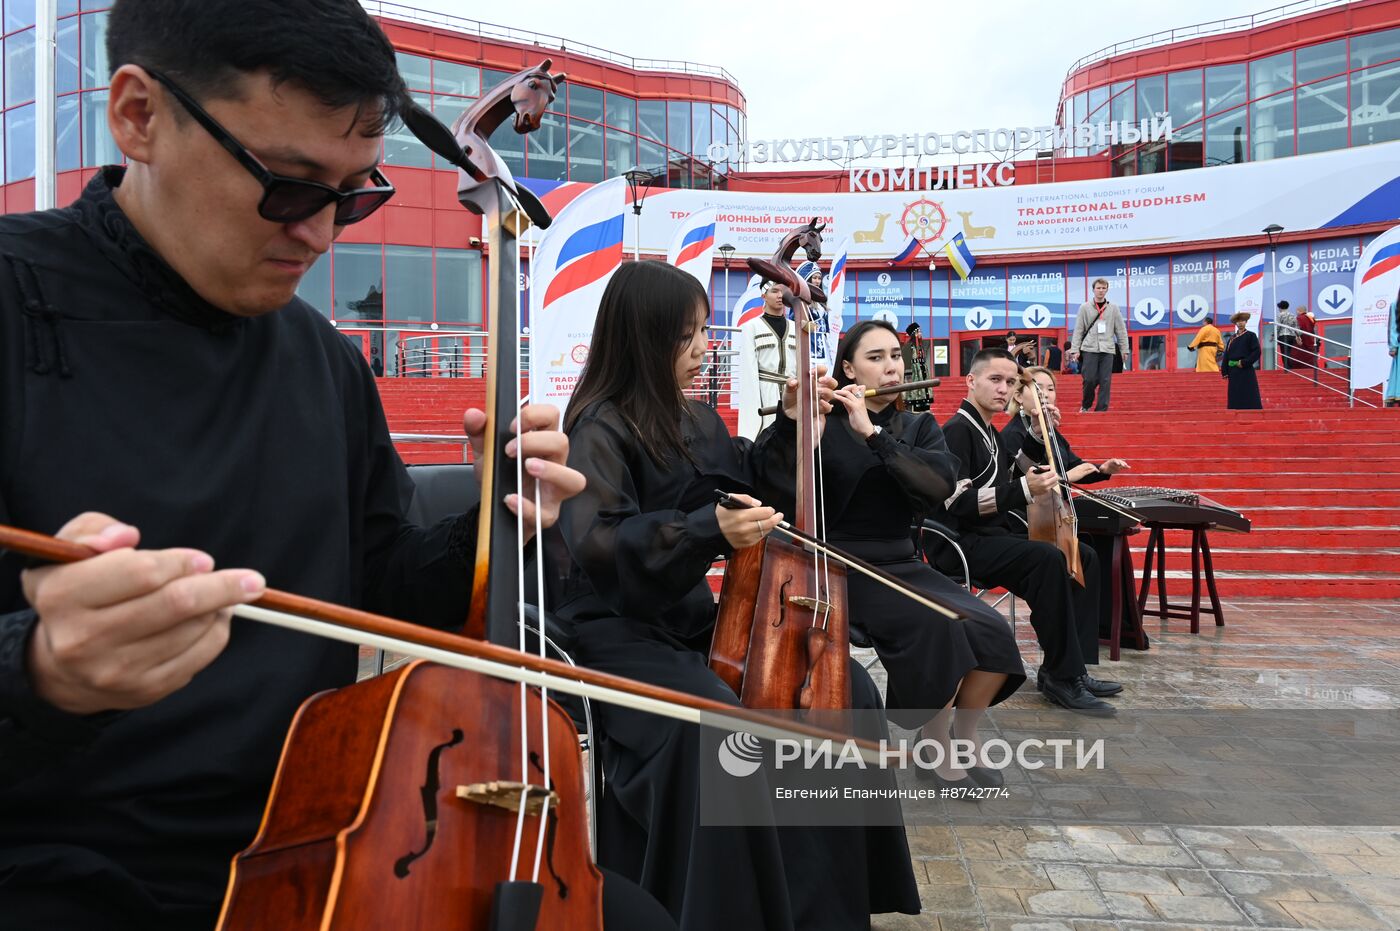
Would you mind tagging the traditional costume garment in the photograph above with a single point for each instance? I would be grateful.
(639, 543)
(260, 440)
(875, 491)
(1063, 613)
(1207, 344)
(1392, 385)
(1241, 356)
(767, 346)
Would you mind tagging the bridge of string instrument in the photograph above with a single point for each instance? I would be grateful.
(508, 795)
(811, 604)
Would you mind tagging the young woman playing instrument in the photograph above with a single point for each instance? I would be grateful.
(640, 541)
(883, 469)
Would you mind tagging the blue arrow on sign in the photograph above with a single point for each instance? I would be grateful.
(978, 320)
(1335, 300)
(1192, 308)
(1150, 311)
(1037, 318)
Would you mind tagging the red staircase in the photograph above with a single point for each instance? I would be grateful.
(1319, 480)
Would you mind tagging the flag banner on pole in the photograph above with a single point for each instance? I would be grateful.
(960, 256)
(909, 254)
(576, 259)
(692, 248)
(1249, 290)
(1377, 281)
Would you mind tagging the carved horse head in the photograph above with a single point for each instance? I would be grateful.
(779, 267)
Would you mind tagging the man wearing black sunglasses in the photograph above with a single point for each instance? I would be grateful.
(157, 367)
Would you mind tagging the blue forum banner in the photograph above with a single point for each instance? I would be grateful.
(884, 295)
(1332, 272)
(979, 303)
(1149, 291)
(1193, 288)
(1036, 297)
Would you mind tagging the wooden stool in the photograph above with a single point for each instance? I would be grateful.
(1122, 582)
(1200, 554)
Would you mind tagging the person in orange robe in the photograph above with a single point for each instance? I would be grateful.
(1206, 345)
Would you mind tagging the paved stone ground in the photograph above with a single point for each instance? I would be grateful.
(1060, 876)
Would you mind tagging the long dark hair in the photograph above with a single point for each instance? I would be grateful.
(646, 316)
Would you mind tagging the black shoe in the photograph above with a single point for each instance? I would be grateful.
(1073, 695)
(1101, 688)
(985, 777)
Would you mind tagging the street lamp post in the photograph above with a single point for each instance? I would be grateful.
(639, 181)
(726, 252)
(1272, 230)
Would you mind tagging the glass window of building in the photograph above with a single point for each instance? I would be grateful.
(1152, 158)
(447, 109)
(621, 112)
(1098, 97)
(359, 281)
(401, 147)
(93, 33)
(458, 277)
(1184, 151)
(652, 157)
(1151, 96)
(490, 78)
(66, 7)
(417, 71)
(19, 143)
(585, 151)
(68, 140)
(1271, 74)
(510, 146)
(315, 285)
(1225, 87)
(549, 150)
(699, 128)
(1081, 118)
(1375, 48)
(621, 153)
(18, 14)
(98, 146)
(408, 283)
(1271, 126)
(451, 77)
(651, 116)
(1227, 137)
(19, 68)
(1184, 96)
(67, 67)
(1121, 103)
(1321, 61)
(585, 102)
(1322, 115)
(1375, 105)
(678, 125)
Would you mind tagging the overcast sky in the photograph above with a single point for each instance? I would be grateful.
(833, 69)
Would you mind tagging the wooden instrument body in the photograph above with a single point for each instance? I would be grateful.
(782, 634)
(364, 828)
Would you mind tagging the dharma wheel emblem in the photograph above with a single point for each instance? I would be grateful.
(924, 220)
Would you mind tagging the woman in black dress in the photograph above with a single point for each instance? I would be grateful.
(883, 469)
(1241, 356)
(640, 542)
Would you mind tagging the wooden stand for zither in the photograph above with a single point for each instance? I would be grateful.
(1123, 582)
(1200, 554)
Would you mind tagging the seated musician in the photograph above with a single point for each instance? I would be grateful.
(159, 368)
(883, 470)
(1013, 437)
(1064, 614)
(640, 542)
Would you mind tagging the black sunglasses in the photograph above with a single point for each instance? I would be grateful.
(287, 200)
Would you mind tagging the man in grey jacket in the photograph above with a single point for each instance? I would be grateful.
(1098, 332)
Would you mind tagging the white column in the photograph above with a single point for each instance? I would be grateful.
(45, 34)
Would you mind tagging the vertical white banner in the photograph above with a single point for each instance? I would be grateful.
(575, 261)
(693, 247)
(1249, 290)
(1375, 287)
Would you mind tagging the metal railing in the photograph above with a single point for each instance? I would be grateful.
(546, 43)
(1329, 371)
(1215, 27)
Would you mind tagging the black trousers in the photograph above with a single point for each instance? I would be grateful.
(1097, 371)
(1065, 614)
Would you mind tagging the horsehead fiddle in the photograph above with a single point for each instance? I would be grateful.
(1051, 517)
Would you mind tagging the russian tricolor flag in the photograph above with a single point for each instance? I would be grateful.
(576, 259)
(909, 254)
(750, 303)
(1385, 259)
(1252, 274)
(693, 247)
(1249, 290)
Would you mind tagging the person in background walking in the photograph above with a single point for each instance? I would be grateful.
(1099, 333)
